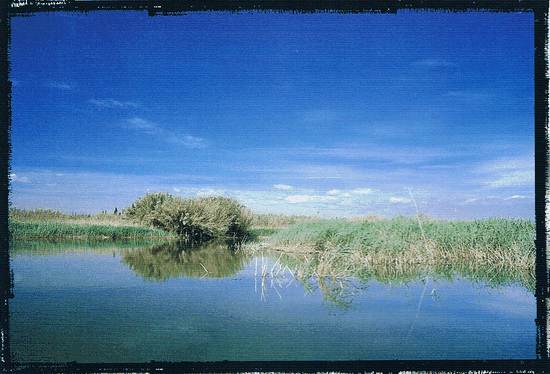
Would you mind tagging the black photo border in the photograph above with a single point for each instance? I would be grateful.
(539, 8)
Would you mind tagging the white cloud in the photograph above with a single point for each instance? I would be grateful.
(516, 197)
(298, 198)
(15, 178)
(282, 187)
(362, 191)
(94, 192)
(333, 192)
(399, 200)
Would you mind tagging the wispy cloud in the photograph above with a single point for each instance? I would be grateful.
(509, 171)
(516, 197)
(61, 85)
(139, 123)
(113, 104)
(151, 128)
(514, 178)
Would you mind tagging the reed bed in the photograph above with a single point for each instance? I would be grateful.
(278, 221)
(49, 215)
(54, 230)
(498, 251)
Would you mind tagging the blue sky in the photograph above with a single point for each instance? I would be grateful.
(317, 114)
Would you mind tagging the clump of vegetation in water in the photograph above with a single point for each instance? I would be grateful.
(196, 219)
(402, 247)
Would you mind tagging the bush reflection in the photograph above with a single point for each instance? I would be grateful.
(183, 259)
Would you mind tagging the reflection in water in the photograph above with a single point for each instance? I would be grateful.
(339, 280)
(224, 318)
(179, 259)
(338, 293)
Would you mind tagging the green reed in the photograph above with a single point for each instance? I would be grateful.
(499, 251)
(53, 230)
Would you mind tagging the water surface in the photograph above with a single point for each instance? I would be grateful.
(140, 303)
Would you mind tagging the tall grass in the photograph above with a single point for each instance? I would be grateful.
(49, 215)
(277, 221)
(489, 249)
(54, 230)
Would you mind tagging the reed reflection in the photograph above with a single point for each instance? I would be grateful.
(340, 277)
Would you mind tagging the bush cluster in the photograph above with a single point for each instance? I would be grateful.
(196, 219)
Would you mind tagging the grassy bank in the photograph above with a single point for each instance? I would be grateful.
(55, 225)
(498, 251)
(46, 223)
(55, 216)
(54, 230)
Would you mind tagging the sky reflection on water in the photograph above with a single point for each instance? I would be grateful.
(89, 306)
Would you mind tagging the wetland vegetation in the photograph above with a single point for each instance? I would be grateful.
(390, 250)
(415, 269)
(494, 250)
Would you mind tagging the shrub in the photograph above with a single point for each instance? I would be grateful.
(144, 208)
(197, 219)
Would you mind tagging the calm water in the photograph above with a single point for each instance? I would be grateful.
(132, 304)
